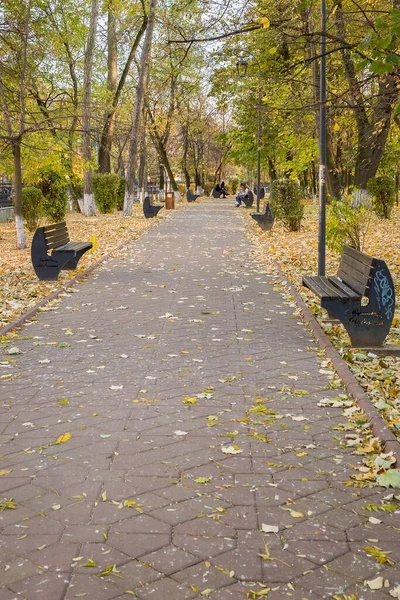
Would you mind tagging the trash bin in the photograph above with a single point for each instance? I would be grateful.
(169, 200)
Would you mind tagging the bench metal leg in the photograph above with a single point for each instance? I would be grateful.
(72, 262)
(47, 269)
(367, 326)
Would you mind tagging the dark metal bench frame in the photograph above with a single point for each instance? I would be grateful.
(264, 219)
(64, 253)
(359, 276)
(150, 210)
(248, 202)
(262, 191)
(216, 194)
(191, 197)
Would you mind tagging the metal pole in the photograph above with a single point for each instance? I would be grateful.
(322, 147)
(259, 142)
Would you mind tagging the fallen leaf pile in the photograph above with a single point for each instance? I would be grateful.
(297, 255)
(19, 286)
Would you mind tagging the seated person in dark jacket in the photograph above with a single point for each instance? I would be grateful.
(223, 189)
(220, 189)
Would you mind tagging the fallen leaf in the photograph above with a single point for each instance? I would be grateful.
(269, 528)
(13, 350)
(374, 584)
(203, 479)
(231, 450)
(90, 563)
(395, 592)
(295, 514)
(189, 400)
(374, 521)
(389, 479)
(63, 438)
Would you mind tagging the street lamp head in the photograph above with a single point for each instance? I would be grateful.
(241, 66)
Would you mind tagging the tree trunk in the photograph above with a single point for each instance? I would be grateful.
(161, 185)
(332, 180)
(19, 223)
(314, 183)
(104, 158)
(16, 140)
(112, 56)
(372, 132)
(89, 207)
(140, 94)
(272, 170)
(142, 165)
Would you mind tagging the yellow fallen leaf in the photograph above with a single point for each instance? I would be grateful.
(63, 438)
(295, 514)
(5, 472)
(189, 400)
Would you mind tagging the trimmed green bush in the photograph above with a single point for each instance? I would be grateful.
(285, 197)
(106, 191)
(347, 225)
(54, 188)
(32, 199)
(383, 192)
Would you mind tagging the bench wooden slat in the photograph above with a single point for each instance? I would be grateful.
(341, 285)
(356, 269)
(55, 227)
(354, 283)
(54, 242)
(322, 287)
(74, 246)
(360, 256)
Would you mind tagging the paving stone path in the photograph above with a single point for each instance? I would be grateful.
(158, 419)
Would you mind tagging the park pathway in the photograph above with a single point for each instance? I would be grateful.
(162, 439)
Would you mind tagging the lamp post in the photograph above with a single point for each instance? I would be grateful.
(241, 67)
(322, 147)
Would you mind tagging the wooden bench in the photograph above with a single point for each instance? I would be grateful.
(191, 197)
(64, 253)
(264, 219)
(362, 297)
(150, 210)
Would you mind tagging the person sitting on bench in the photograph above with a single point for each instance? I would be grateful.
(223, 189)
(219, 190)
(243, 193)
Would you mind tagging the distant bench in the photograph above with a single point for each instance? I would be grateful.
(191, 197)
(150, 210)
(359, 276)
(264, 219)
(64, 253)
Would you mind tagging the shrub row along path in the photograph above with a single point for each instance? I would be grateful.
(158, 419)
